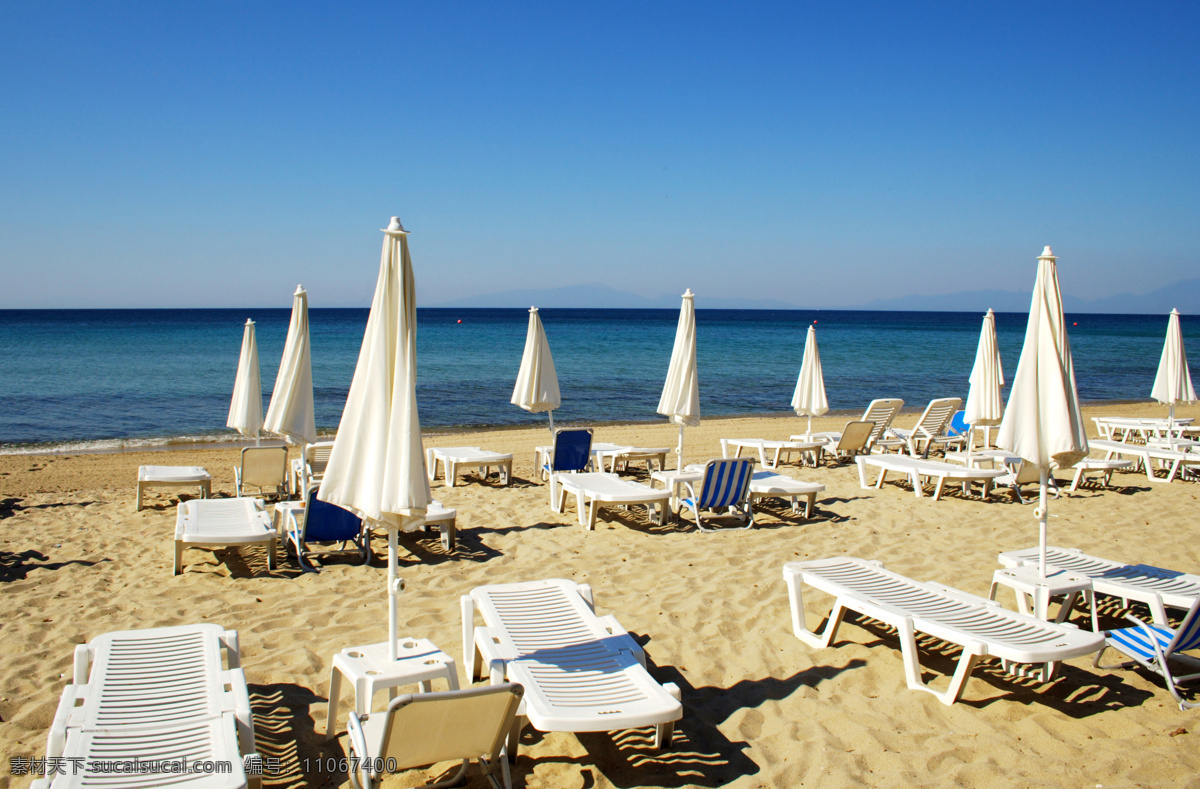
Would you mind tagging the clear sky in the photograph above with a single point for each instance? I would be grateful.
(216, 154)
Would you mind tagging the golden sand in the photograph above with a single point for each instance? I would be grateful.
(760, 708)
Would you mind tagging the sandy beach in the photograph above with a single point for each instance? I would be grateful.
(760, 707)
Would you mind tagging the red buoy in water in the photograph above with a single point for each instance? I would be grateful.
(460, 320)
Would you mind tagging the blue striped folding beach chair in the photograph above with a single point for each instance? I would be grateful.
(725, 487)
(1153, 647)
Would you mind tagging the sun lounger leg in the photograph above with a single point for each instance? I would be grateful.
(592, 506)
(937, 490)
(139, 496)
(178, 567)
(800, 627)
(912, 666)
(664, 732)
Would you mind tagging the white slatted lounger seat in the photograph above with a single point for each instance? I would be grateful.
(219, 523)
(1099, 467)
(1184, 461)
(154, 695)
(769, 485)
(981, 627)
(599, 691)
(452, 458)
(778, 449)
(1153, 586)
(918, 468)
(581, 672)
(594, 489)
(173, 477)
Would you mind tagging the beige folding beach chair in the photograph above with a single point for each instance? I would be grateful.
(262, 468)
(427, 728)
(855, 440)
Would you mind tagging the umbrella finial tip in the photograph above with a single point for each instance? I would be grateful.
(394, 226)
(1046, 253)
(688, 294)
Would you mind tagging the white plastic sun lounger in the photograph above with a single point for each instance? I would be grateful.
(173, 477)
(1153, 586)
(981, 627)
(778, 449)
(621, 456)
(581, 672)
(523, 619)
(930, 427)
(769, 485)
(453, 458)
(1123, 428)
(918, 468)
(217, 523)
(1147, 453)
(154, 695)
(594, 489)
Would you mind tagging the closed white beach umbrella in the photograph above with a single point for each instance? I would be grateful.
(377, 465)
(681, 393)
(985, 407)
(1173, 383)
(1042, 423)
(291, 411)
(809, 398)
(537, 382)
(245, 409)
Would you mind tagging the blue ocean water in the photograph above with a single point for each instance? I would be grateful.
(85, 379)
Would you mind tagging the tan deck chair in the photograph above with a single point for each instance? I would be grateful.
(932, 424)
(855, 440)
(427, 728)
(1025, 474)
(262, 468)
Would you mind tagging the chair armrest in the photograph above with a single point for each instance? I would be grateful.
(57, 739)
(358, 748)
(83, 659)
(242, 712)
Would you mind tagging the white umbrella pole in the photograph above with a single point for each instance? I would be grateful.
(1044, 480)
(1171, 425)
(393, 591)
(679, 450)
(257, 438)
(810, 424)
(551, 415)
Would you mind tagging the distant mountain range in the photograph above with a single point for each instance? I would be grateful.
(1183, 295)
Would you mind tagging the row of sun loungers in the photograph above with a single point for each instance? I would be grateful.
(179, 693)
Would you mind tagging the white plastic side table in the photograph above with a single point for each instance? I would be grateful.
(673, 479)
(1027, 582)
(418, 660)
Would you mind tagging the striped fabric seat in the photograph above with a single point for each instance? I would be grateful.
(1154, 647)
(725, 486)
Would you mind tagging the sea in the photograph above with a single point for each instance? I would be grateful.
(97, 380)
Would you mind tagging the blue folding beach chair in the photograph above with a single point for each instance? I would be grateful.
(572, 451)
(319, 525)
(1154, 647)
(724, 488)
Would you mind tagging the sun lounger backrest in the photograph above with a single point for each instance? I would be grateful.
(572, 449)
(937, 416)
(726, 482)
(325, 522)
(264, 467)
(427, 728)
(882, 412)
(1187, 637)
(317, 457)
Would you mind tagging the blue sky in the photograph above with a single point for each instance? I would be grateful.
(215, 154)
